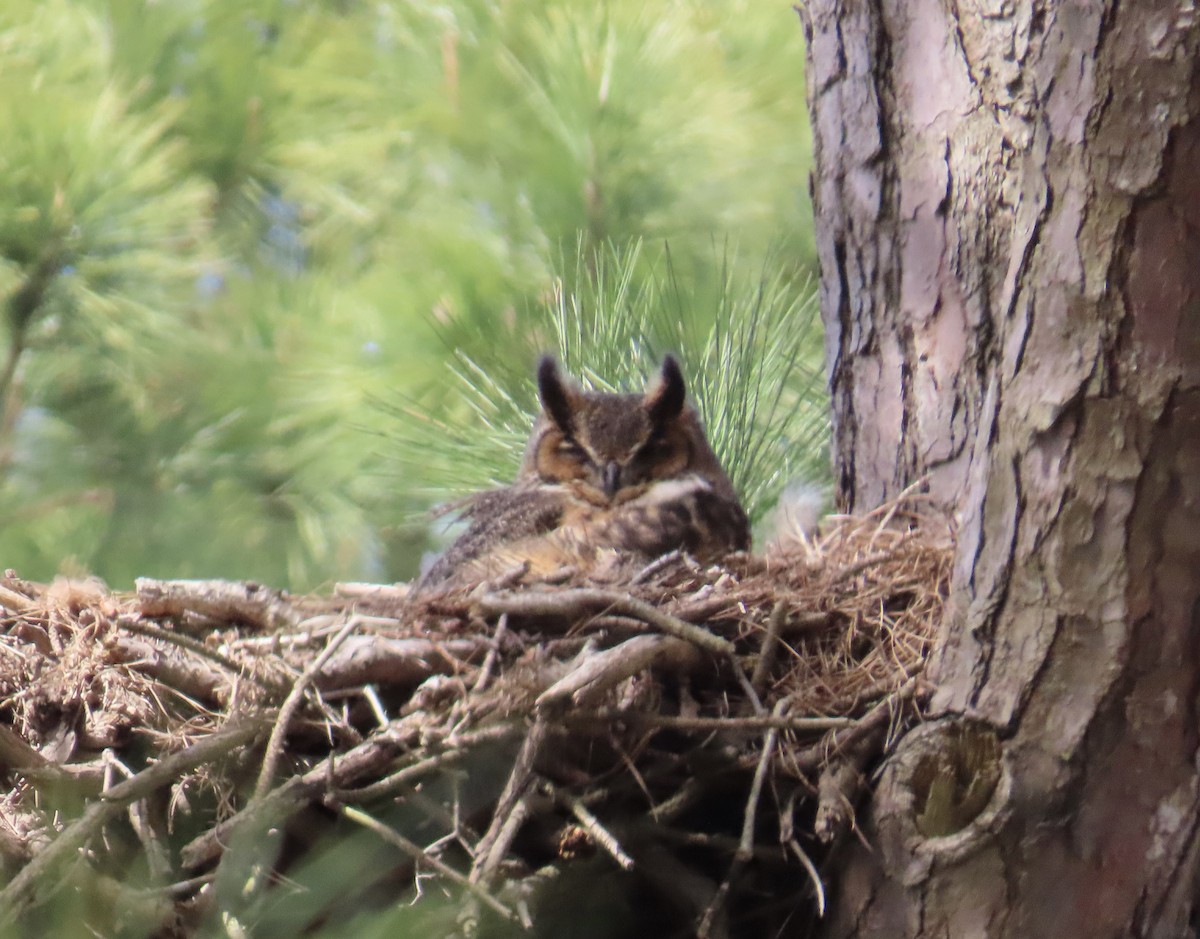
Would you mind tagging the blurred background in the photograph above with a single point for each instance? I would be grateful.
(274, 275)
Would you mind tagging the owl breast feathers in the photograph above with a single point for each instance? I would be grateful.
(606, 478)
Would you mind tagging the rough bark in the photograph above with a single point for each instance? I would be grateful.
(1008, 214)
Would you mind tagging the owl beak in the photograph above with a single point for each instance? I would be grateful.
(611, 476)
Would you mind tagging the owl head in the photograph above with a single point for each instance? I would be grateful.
(612, 447)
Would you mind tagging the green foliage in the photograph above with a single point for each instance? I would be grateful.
(229, 229)
(101, 227)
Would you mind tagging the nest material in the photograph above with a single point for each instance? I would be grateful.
(705, 729)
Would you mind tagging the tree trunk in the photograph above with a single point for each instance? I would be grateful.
(1008, 218)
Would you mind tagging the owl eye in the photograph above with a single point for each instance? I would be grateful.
(570, 449)
(656, 448)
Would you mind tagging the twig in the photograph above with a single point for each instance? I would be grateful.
(17, 894)
(704, 608)
(817, 755)
(600, 671)
(747, 724)
(494, 844)
(377, 707)
(88, 776)
(180, 888)
(709, 840)
(206, 750)
(870, 561)
(188, 675)
(507, 833)
(655, 566)
(746, 845)
(744, 680)
(568, 602)
(838, 787)
(405, 661)
(288, 710)
(609, 622)
(745, 850)
(157, 858)
(687, 796)
(576, 601)
(28, 588)
(400, 779)
(250, 603)
(358, 591)
(489, 661)
(306, 634)
(457, 829)
(813, 875)
(369, 756)
(129, 623)
(418, 854)
(769, 647)
(333, 774)
(16, 602)
(593, 826)
(510, 578)
(15, 753)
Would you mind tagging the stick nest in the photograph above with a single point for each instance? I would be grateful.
(692, 739)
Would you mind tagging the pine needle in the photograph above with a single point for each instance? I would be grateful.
(750, 347)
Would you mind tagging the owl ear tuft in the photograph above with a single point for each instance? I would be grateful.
(664, 399)
(557, 396)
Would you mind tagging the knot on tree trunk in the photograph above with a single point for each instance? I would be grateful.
(942, 796)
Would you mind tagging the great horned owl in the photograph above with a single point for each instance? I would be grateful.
(605, 477)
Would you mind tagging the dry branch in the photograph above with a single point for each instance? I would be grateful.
(174, 669)
(417, 853)
(749, 724)
(249, 603)
(11, 600)
(609, 718)
(886, 711)
(380, 660)
(593, 826)
(494, 844)
(368, 758)
(15, 753)
(838, 787)
(378, 593)
(592, 678)
(112, 801)
(579, 601)
(290, 704)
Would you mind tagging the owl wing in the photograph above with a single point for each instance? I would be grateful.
(687, 514)
(496, 518)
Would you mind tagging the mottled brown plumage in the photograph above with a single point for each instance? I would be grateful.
(605, 478)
